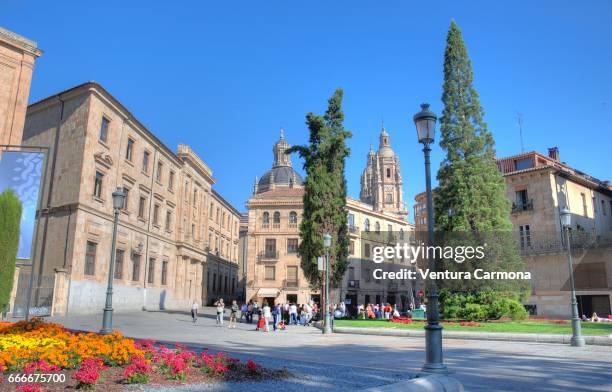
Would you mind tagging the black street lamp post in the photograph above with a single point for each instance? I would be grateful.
(107, 320)
(577, 340)
(425, 122)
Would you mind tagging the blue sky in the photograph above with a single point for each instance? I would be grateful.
(225, 76)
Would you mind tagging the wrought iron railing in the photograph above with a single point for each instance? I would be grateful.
(268, 255)
(531, 243)
(519, 207)
(353, 284)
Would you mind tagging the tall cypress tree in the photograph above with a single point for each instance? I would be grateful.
(471, 196)
(10, 218)
(325, 191)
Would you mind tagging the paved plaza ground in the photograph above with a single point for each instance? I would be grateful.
(352, 362)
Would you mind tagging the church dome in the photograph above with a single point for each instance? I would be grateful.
(279, 177)
(282, 174)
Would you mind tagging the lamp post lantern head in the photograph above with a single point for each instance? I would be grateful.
(327, 240)
(118, 198)
(425, 122)
(566, 217)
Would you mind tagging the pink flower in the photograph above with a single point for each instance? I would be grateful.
(40, 366)
(252, 366)
(89, 372)
(30, 388)
(138, 366)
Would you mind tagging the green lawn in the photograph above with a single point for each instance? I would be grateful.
(535, 326)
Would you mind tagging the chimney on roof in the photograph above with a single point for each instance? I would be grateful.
(553, 153)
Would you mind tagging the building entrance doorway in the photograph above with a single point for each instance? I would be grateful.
(269, 300)
(351, 304)
(292, 298)
(589, 304)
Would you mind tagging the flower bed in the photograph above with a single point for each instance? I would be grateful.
(39, 356)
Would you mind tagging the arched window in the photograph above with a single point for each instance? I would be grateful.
(366, 224)
(266, 218)
(293, 217)
(276, 219)
(401, 234)
(377, 227)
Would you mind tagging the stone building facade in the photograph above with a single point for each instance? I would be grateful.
(273, 270)
(539, 186)
(17, 56)
(177, 239)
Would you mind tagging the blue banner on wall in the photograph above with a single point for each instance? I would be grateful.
(21, 171)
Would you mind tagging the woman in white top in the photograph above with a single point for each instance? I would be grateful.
(220, 310)
(267, 315)
(194, 311)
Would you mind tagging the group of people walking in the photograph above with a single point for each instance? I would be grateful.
(278, 315)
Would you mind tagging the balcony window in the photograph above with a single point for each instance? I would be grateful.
(276, 219)
(292, 245)
(293, 219)
(270, 247)
(366, 225)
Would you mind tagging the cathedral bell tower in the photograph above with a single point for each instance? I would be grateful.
(381, 181)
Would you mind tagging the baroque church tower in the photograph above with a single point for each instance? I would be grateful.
(381, 181)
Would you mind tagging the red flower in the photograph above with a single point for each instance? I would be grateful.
(30, 388)
(252, 366)
(89, 372)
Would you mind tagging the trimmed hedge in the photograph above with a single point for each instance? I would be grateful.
(481, 306)
(10, 219)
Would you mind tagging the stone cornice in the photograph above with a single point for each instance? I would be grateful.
(20, 42)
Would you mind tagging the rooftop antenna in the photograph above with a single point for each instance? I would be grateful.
(519, 122)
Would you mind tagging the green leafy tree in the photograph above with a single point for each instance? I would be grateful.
(325, 191)
(470, 198)
(10, 218)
